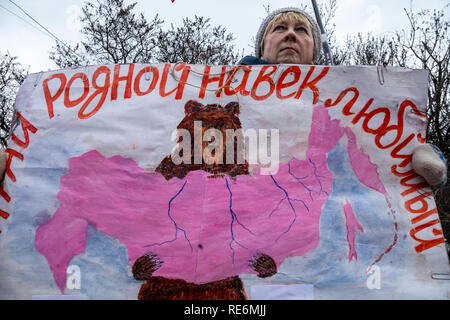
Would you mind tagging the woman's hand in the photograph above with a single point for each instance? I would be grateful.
(429, 162)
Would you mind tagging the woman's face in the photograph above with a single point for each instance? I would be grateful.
(289, 42)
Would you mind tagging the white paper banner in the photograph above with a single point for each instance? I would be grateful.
(191, 181)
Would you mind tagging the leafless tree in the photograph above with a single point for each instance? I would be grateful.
(428, 41)
(11, 76)
(113, 34)
(197, 42)
(372, 49)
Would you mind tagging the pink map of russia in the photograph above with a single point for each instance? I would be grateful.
(201, 229)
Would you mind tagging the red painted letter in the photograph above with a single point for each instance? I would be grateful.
(26, 126)
(67, 102)
(280, 85)
(312, 84)
(116, 79)
(155, 76)
(264, 78)
(99, 90)
(49, 98)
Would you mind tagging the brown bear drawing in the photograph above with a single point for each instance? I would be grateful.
(159, 288)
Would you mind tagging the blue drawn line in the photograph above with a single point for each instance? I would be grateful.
(292, 207)
(174, 222)
(277, 207)
(233, 218)
(317, 177)
(304, 204)
(299, 181)
(279, 202)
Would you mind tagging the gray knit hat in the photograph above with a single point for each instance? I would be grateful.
(314, 26)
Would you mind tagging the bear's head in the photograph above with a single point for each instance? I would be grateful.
(217, 122)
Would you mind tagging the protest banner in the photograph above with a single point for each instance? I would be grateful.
(173, 180)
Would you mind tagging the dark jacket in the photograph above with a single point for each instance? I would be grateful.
(251, 60)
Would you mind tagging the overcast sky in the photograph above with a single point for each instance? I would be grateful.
(240, 17)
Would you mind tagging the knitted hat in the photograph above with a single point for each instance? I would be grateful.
(314, 26)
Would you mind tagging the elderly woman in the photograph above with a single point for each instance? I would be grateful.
(291, 36)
